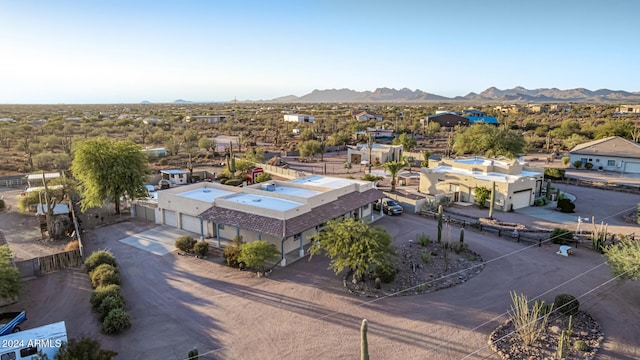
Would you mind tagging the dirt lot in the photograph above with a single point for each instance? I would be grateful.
(178, 303)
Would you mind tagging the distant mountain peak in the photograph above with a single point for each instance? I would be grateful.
(516, 94)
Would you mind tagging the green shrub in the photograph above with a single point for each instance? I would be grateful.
(459, 247)
(566, 304)
(109, 303)
(386, 273)
(561, 236)
(424, 240)
(566, 206)
(554, 173)
(232, 251)
(185, 243)
(102, 292)
(104, 274)
(566, 160)
(347, 165)
(580, 345)
(2, 204)
(372, 178)
(201, 248)
(192, 355)
(83, 348)
(588, 166)
(98, 258)
(577, 164)
(426, 257)
(116, 321)
(544, 307)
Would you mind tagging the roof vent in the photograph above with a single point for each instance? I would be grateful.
(256, 200)
(269, 187)
(205, 190)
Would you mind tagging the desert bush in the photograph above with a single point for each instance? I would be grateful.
(2, 204)
(347, 165)
(426, 257)
(116, 321)
(561, 236)
(192, 355)
(232, 252)
(424, 240)
(104, 274)
(72, 245)
(566, 206)
(530, 323)
(102, 292)
(459, 247)
(580, 345)
(588, 166)
(185, 243)
(566, 160)
(386, 273)
(554, 173)
(372, 178)
(566, 304)
(201, 248)
(544, 307)
(98, 258)
(541, 201)
(577, 164)
(109, 303)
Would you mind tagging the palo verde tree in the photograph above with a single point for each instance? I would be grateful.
(623, 258)
(488, 140)
(108, 170)
(353, 245)
(408, 143)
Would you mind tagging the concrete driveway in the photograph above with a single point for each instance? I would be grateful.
(159, 240)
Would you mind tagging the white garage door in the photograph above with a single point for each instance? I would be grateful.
(190, 223)
(632, 168)
(521, 199)
(170, 218)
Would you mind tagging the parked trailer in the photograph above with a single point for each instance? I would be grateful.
(15, 319)
(28, 343)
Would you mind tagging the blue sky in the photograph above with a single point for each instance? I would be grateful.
(128, 51)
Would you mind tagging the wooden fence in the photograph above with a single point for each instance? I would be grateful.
(51, 263)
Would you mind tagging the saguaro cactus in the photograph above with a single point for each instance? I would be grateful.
(493, 199)
(364, 345)
(439, 224)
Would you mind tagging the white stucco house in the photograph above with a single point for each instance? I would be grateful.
(517, 185)
(299, 118)
(610, 154)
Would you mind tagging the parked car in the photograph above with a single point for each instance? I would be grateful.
(389, 206)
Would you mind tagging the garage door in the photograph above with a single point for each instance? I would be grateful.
(170, 218)
(521, 199)
(145, 213)
(632, 168)
(190, 223)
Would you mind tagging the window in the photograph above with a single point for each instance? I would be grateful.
(31, 350)
(8, 356)
(611, 163)
(221, 226)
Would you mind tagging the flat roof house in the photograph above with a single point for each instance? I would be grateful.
(609, 154)
(517, 185)
(299, 118)
(284, 213)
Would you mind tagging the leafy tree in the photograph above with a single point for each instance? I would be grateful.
(408, 143)
(108, 170)
(488, 140)
(310, 148)
(609, 128)
(480, 195)
(307, 134)
(207, 144)
(425, 156)
(10, 279)
(354, 245)
(624, 258)
(433, 128)
(394, 167)
(254, 254)
(85, 349)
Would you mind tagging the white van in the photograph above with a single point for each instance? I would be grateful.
(26, 344)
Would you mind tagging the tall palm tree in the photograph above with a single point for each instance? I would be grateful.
(394, 167)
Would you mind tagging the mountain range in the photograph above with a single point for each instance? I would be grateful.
(492, 94)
